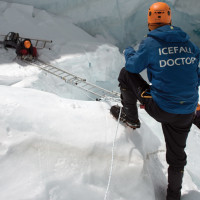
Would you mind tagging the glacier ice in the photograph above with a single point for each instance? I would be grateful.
(120, 22)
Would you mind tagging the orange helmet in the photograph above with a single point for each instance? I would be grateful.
(159, 14)
(27, 44)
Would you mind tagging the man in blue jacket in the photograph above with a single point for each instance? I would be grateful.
(171, 60)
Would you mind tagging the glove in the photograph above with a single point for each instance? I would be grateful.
(130, 48)
(27, 57)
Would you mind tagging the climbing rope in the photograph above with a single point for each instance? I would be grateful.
(112, 159)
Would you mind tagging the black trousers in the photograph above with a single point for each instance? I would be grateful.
(175, 127)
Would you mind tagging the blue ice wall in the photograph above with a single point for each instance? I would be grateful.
(121, 22)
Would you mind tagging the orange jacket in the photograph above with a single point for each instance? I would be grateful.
(198, 107)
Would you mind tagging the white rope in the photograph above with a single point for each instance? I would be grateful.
(112, 160)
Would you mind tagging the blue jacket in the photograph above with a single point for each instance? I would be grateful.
(172, 62)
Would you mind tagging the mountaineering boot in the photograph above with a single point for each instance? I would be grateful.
(129, 102)
(129, 114)
(115, 111)
(175, 176)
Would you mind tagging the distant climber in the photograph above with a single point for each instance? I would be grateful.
(25, 50)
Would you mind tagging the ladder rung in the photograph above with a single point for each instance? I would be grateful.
(98, 90)
(66, 79)
(61, 73)
(77, 82)
(91, 88)
(71, 79)
(66, 76)
(47, 67)
(56, 70)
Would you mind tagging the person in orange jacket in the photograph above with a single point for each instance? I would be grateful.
(26, 50)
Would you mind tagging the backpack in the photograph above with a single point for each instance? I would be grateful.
(11, 40)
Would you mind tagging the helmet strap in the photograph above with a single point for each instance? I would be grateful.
(156, 25)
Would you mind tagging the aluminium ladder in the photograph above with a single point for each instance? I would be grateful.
(99, 92)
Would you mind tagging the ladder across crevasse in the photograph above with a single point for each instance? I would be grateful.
(99, 92)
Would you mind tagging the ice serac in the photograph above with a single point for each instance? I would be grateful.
(57, 155)
(120, 22)
(188, 6)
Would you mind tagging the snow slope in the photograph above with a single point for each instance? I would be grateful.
(55, 145)
(55, 148)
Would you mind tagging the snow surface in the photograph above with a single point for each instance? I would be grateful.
(56, 145)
